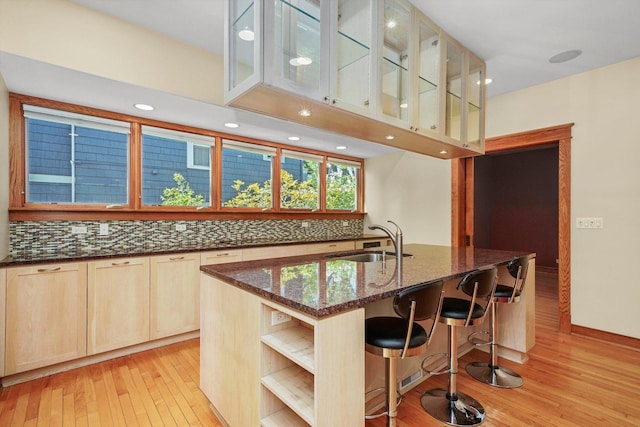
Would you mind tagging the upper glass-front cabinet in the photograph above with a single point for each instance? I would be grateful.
(375, 70)
(353, 55)
(396, 28)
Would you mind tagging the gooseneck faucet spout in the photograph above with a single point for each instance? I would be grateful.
(396, 239)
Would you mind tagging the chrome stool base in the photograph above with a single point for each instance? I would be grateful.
(496, 376)
(464, 410)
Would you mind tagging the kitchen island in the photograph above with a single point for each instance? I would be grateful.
(282, 340)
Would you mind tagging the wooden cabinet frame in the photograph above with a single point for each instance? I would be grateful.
(462, 190)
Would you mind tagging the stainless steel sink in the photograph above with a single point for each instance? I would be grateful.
(369, 256)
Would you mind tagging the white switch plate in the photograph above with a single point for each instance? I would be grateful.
(305, 224)
(104, 229)
(589, 222)
(181, 227)
(78, 230)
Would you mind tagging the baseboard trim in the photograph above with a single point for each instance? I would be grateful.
(606, 336)
(22, 377)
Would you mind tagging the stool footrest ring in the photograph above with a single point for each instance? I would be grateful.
(384, 412)
(480, 338)
(430, 358)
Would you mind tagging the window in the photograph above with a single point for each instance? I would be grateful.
(342, 184)
(299, 180)
(247, 174)
(74, 158)
(81, 162)
(175, 168)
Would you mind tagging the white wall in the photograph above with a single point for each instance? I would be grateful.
(412, 190)
(605, 182)
(4, 169)
(64, 33)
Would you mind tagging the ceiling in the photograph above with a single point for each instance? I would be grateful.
(516, 38)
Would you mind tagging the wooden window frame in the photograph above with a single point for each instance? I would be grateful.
(19, 210)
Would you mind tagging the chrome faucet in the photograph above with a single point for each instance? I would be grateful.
(396, 239)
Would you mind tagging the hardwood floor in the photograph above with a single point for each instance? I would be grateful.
(569, 381)
(154, 388)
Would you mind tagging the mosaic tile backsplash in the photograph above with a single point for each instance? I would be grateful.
(50, 239)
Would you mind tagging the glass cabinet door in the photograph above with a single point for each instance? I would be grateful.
(475, 102)
(395, 60)
(353, 59)
(241, 50)
(454, 107)
(297, 49)
(428, 76)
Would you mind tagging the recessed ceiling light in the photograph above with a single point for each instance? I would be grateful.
(404, 105)
(443, 151)
(246, 34)
(304, 112)
(341, 147)
(232, 125)
(565, 56)
(391, 23)
(486, 81)
(144, 107)
(300, 60)
(294, 138)
(389, 137)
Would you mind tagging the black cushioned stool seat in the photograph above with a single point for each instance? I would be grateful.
(491, 373)
(398, 337)
(451, 406)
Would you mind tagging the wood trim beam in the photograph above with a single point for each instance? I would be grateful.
(461, 207)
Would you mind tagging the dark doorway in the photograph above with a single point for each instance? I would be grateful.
(516, 202)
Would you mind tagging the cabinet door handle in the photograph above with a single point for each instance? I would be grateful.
(223, 254)
(47, 270)
(177, 258)
(120, 263)
(333, 245)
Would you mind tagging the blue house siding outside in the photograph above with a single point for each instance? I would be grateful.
(52, 169)
(161, 159)
(100, 168)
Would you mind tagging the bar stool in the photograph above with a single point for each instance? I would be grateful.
(451, 406)
(398, 337)
(491, 373)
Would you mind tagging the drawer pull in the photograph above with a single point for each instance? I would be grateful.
(47, 270)
(333, 245)
(115, 264)
(223, 254)
(177, 258)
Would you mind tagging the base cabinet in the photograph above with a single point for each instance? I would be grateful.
(118, 304)
(46, 315)
(175, 295)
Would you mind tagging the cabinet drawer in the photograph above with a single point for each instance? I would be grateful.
(220, 257)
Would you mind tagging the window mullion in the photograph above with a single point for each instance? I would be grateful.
(135, 166)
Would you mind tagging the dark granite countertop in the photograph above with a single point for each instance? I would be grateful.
(89, 254)
(323, 284)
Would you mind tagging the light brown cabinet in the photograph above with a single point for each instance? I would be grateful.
(46, 315)
(175, 294)
(118, 304)
(220, 257)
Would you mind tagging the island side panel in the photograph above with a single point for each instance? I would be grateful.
(516, 321)
(339, 379)
(229, 349)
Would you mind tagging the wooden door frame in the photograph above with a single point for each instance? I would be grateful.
(462, 190)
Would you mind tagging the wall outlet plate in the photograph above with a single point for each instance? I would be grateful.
(278, 317)
(78, 230)
(104, 229)
(181, 227)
